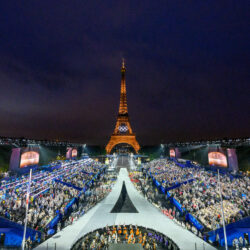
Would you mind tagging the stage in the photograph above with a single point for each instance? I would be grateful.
(147, 216)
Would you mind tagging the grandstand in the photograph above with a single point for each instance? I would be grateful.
(55, 193)
(71, 200)
(190, 194)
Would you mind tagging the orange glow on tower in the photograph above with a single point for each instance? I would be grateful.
(123, 131)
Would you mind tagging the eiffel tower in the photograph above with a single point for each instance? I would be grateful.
(123, 132)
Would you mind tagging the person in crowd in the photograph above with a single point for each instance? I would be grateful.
(2, 239)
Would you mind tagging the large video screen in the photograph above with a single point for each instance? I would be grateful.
(29, 158)
(74, 152)
(217, 159)
(172, 152)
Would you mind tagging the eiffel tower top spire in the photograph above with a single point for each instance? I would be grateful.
(123, 108)
(123, 63)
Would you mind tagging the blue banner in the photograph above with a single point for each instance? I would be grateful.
(54, 221)
(69, 205)
(194, 221)
(178, 205)
(157, 183)
(162, 189)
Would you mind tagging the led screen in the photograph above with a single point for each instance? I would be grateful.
(74, 152)
(172, 153)
(217, 159)
(29, 158)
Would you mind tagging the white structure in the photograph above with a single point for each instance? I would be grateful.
(148, 216)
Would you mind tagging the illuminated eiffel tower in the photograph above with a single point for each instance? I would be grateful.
(123, 132)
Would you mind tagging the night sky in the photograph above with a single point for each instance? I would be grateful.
(187, 69)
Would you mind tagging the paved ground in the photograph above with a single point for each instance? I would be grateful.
(123, 162)
(148, 216)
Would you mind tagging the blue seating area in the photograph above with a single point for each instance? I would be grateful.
(234, 230)
(14, 232)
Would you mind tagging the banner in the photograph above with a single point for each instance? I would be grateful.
(194, 221)
(54, 221)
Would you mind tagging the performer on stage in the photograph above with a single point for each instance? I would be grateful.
(137, 231)
(119, 230)
(125, 230)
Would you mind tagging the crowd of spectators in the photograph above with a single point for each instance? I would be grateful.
(145, 186)
(168, 173)
(79, 178)
(42, 210)
(202, 198)
(95, 194)
(51, 191)
(199, 197)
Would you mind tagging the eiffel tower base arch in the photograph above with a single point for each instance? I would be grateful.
(118, 139)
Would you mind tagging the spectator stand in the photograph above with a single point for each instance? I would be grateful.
(68, 208)
(164, 190)
(13, 190)
(234, 230)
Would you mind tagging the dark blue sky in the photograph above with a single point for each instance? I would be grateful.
(187, 69)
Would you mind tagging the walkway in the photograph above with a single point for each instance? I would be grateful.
(147, 216)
